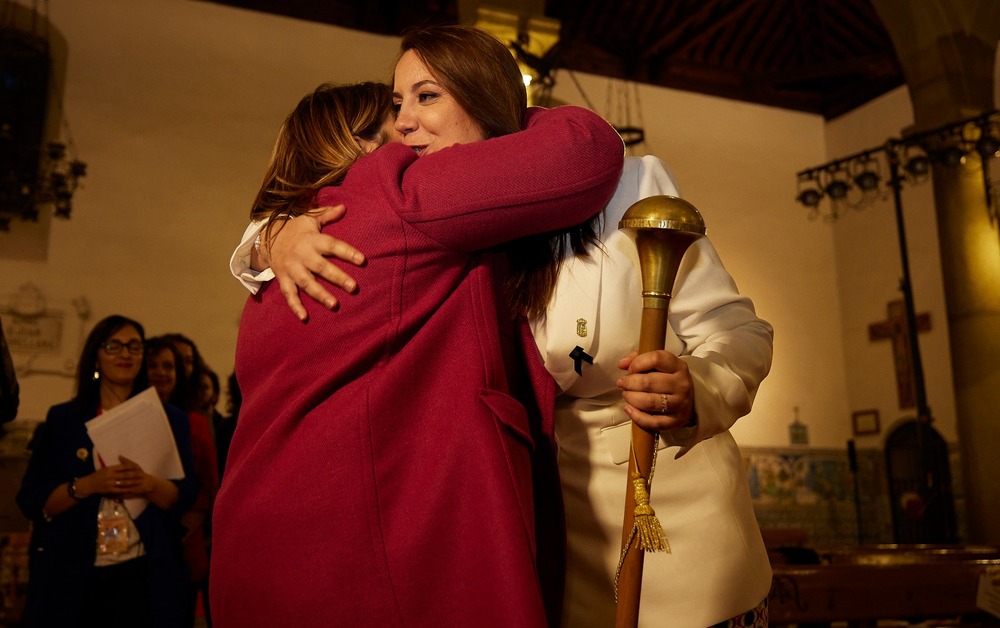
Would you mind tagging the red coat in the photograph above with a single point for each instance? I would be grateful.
(380, 473)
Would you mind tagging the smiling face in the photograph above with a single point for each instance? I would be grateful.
(427, 115)
(161, 368)
(122, 367)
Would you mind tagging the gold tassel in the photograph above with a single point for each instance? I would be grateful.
(651, 536)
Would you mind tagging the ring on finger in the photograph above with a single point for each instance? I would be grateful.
(664, 404)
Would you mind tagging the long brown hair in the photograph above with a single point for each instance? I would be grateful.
(316, 147)
(483, 77)
(477, 70)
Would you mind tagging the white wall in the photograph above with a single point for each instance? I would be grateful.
(174, 105)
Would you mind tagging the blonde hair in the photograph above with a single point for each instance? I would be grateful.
(316, 147)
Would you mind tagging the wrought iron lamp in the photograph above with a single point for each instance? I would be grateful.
(58, 179)
(36, 169)
(857, 180)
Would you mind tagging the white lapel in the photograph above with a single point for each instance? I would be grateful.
(572, 319)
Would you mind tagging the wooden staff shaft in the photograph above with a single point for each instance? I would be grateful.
(664, 227)
(652, 336)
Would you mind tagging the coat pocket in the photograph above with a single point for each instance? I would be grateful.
(514, 432)
(511, 414)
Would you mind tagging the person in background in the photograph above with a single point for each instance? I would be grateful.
(190, 356)
(135, 577)
(166, 373)
(9, 388)
(206, 394)
(193, 364)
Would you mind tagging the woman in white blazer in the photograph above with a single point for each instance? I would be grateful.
(717, 568)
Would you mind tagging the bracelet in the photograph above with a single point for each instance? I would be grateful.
(71, 489)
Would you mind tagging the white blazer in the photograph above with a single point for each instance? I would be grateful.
(718, 565)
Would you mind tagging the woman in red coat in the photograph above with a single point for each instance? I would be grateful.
(381, 472)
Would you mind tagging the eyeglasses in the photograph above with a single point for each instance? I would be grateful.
(114, 347)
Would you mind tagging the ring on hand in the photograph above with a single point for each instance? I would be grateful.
(664, 404)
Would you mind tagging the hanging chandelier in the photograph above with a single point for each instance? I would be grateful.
(37, 169)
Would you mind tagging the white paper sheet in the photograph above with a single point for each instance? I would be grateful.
(139, 430)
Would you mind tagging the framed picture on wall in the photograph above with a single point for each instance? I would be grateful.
(866, 422)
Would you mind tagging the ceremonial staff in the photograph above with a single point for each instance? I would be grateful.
(664, 227)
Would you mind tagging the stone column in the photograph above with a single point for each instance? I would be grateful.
(947, 49)
(970, 257)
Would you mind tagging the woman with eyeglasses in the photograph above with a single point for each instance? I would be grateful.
(91, 562)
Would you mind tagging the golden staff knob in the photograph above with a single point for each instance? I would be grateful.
(664, 227)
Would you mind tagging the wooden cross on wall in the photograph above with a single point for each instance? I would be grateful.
(896, 329)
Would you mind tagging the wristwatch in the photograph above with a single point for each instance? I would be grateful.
(71, 489)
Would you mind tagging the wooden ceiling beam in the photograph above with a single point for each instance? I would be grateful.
(699, 27)
(819, 56)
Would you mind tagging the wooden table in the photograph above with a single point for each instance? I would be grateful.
(862, 585)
